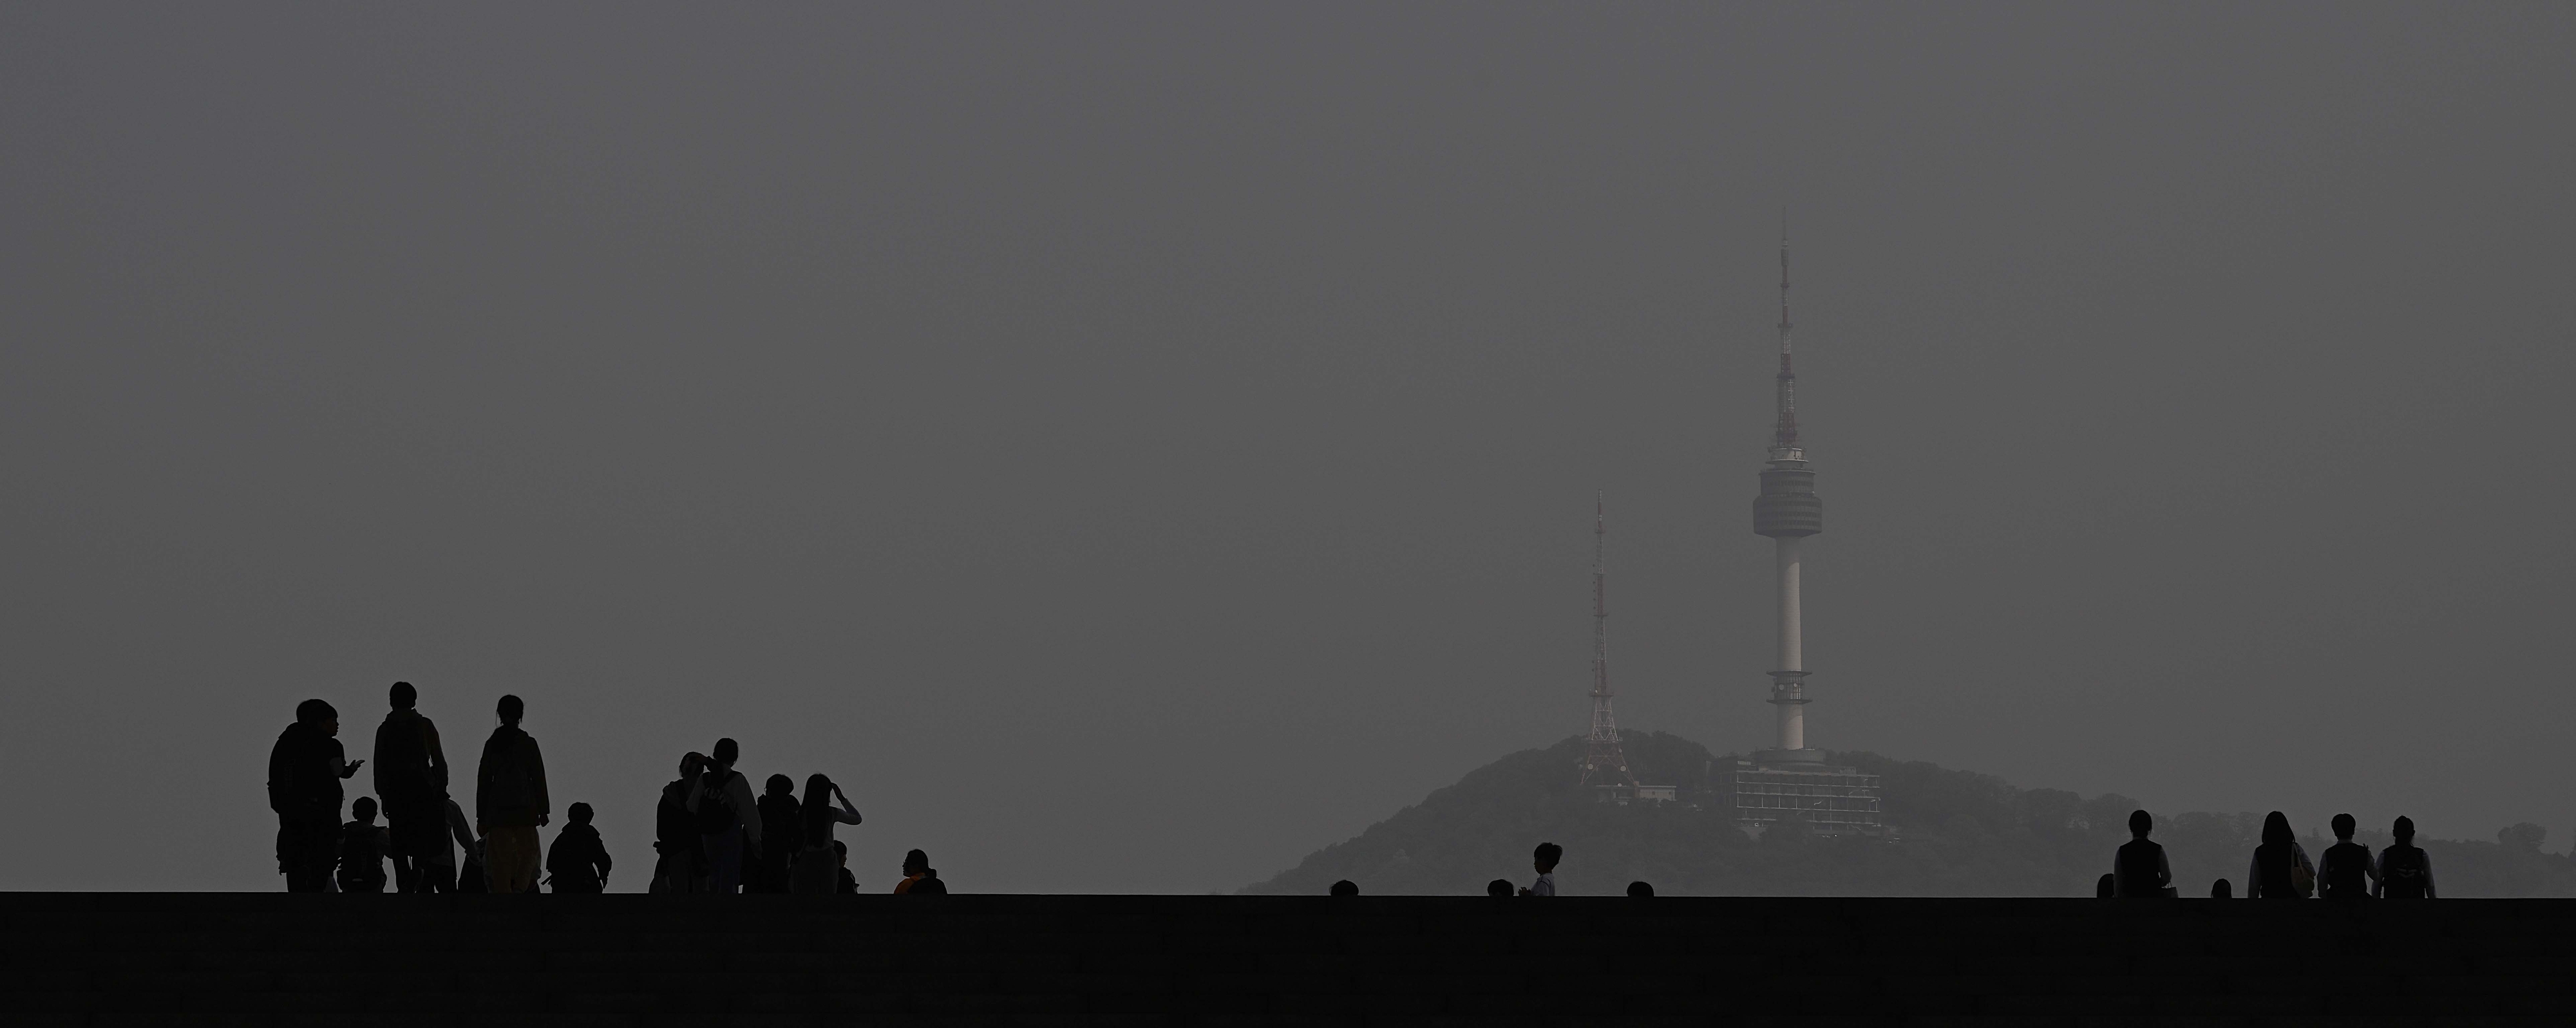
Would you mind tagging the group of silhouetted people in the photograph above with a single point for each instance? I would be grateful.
(2280, 868)
(1542, 860)
(711, 833)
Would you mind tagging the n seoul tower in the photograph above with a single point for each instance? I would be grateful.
(1788, 511)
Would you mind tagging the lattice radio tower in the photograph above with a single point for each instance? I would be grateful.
(1603, 762)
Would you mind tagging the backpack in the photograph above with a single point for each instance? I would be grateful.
(715, 807)
(2401, 871)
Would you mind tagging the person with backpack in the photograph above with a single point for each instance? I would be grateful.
(2280, 869)
(579, 860)
(817, 867)
(2405, 872)
(411, 780)
(679, 863)
(304, 776)
(728, 819)
(2139, 869)
(362, 849)
(781, 819)
(2345, 870)
(510, 801)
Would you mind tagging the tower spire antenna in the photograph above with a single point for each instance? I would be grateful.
(1784, 433)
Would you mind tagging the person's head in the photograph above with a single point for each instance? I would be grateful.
(842, 850)
(2106, 887)
(2343, 826)
(915, 862)
(1544, 858)
(364, 809)
(511, 709)
(578, 813)
(1346, 887)
(2404, 830)
(403, 696)
(1640, 890)
(318, 714)
(727, 752)
(2140, 823)
(1498, 887)
(693, 764)
(781, 785)
(2219, 890)
(2276, 830)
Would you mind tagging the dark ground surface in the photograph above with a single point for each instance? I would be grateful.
(452, 961)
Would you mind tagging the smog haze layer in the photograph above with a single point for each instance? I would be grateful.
(1131, 446)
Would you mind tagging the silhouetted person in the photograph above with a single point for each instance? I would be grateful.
(918, 878)
(363, 843)
(304, 775)
(1640, 890)
(476, 874)
(1499, 887)
(579, 860)
(2139, 869)
(2219, 890)
(2279, 864)
(2106, 886)
(679, 864)
(2405, 872)
(818, 864)
(728, 819)
(1346, 887)
(411, 781)
(780, 820)
(849, 882)
(438, 871)
(510, 802)
(2344, 870)
(1543, 859)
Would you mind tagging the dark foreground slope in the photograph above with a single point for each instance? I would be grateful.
(1958, 834)
(775, 961)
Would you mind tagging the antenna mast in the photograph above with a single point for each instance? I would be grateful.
(1604, 763)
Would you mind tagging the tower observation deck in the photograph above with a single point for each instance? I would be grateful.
(1791, 781)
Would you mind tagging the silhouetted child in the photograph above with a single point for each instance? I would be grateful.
(918, 878)
(438, 869)
(579, 860)
(1640, 890)
(2405, 872)
(363, 845)
(471, 876)
(849, 882)
(2139, 869)
(1499, 887)
(2219, 890)
(2106, 886)
(1544, 859)
(2344, 870)
(1346, 887)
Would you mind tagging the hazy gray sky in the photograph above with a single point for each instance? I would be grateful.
(1132, 446)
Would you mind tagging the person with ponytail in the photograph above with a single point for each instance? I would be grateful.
(817, 868)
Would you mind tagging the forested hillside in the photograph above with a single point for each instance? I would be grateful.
(1958, 833)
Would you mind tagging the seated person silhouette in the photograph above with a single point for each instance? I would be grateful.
(2345, 870)
(1499, 887)
(1346, 887)
(1544, 860)
(2405, 871)
(2139, 870)
(579, 860)
(1640, 890)
(363, 846)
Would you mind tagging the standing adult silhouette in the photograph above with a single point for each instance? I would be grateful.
(728, 819)
(411, 783)
(781, 823)
(304, 775)
(817, 868)
(679, 862)
(2280, 869)
(510, 801)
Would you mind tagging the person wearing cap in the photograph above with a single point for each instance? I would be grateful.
(304, 774)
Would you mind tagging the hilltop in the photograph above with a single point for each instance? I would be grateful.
(1959, 833)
